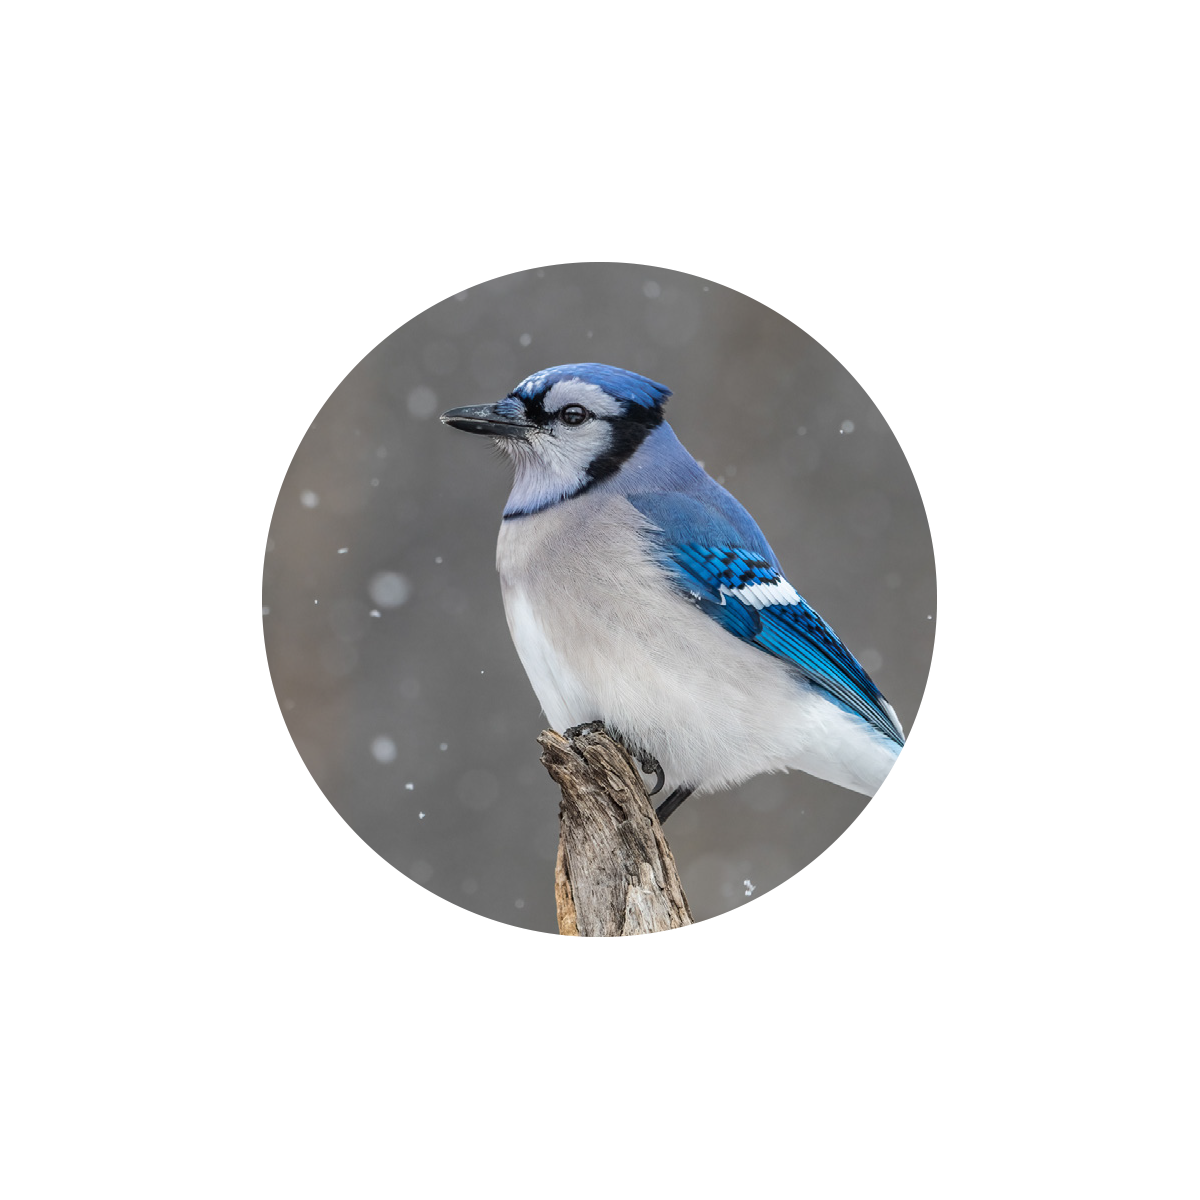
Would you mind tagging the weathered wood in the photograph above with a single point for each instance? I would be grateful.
(615, 875)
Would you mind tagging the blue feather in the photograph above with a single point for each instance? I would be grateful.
(715, 552)
(617, 382)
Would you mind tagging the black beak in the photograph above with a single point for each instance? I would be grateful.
(483, 418)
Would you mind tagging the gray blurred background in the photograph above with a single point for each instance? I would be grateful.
(384, 627)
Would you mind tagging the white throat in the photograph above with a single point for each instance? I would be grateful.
(550, 467)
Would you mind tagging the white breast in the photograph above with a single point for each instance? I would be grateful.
(603, 636)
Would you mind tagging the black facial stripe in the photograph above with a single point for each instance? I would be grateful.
(629, 431)
(535, 408)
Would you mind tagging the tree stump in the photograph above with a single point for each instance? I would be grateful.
(615, 875)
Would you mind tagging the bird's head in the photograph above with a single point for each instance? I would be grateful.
(566, 428)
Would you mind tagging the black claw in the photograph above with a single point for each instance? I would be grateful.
(651, 766)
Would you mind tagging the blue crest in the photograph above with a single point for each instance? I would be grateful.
(617, 382)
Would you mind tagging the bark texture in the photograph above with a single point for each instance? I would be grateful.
(615, 873)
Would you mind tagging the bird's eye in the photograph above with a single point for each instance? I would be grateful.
(574, 414)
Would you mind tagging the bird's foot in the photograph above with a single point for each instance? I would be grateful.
(649, 764)
(587, 727)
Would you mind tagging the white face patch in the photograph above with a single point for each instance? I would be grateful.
(553, 462)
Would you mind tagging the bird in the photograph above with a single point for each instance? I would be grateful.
(642, 595)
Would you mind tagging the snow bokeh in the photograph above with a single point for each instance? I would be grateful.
(385, 632)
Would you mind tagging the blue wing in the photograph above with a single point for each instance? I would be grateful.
(718, 557)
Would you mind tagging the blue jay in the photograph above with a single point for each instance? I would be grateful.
(641, 594)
